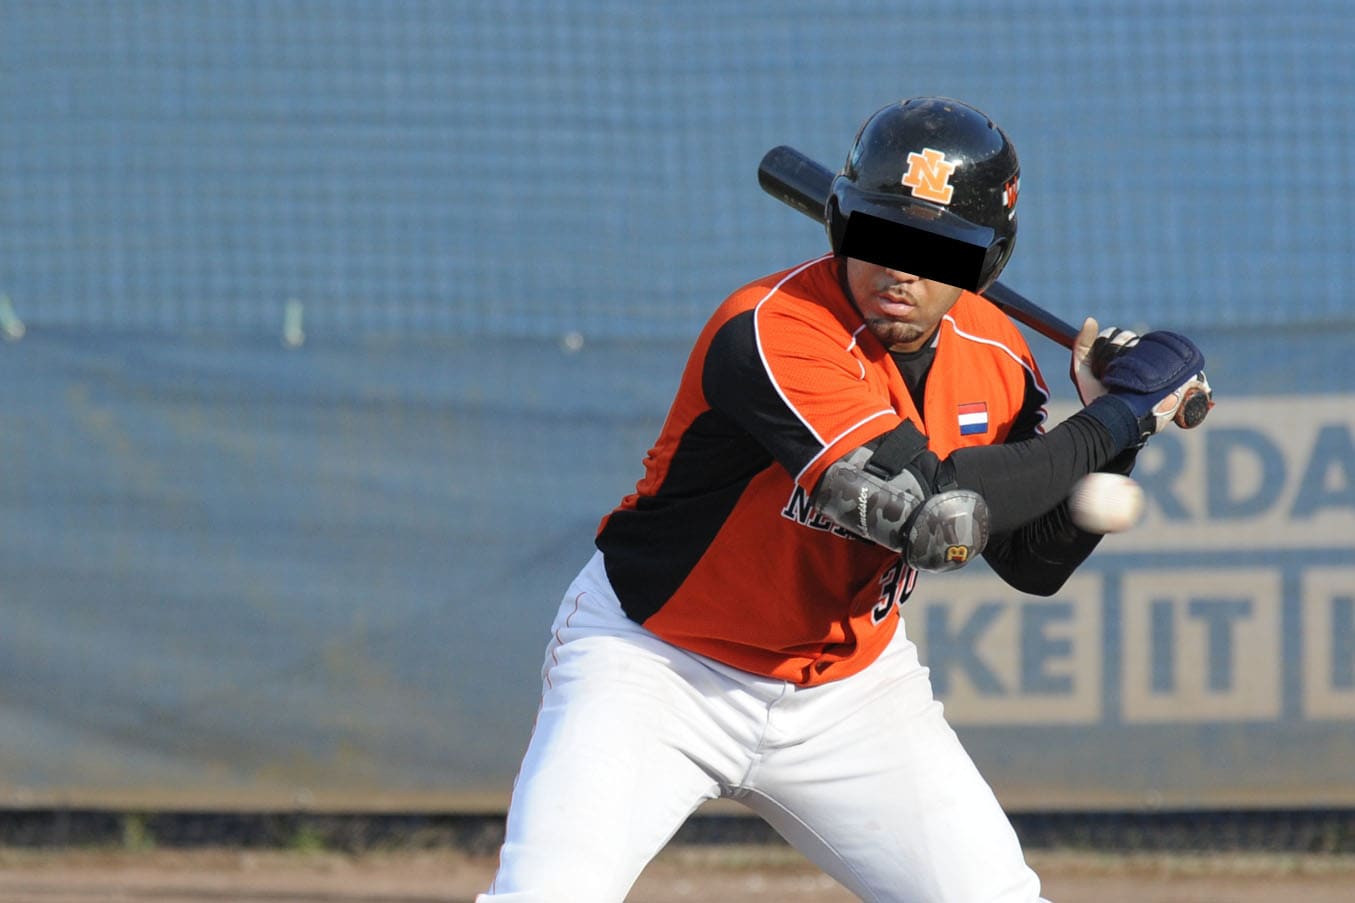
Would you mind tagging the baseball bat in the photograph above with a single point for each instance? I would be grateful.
(801, 182)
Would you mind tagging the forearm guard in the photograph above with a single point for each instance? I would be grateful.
(935, 531)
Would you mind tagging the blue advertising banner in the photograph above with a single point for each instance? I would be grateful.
(329, 330)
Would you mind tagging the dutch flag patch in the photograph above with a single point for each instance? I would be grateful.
(973, 418)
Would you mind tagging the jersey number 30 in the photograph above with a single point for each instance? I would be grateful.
(896, 584)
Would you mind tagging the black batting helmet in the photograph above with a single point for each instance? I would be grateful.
(929, 188)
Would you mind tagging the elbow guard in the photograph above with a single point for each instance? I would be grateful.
(935, 531)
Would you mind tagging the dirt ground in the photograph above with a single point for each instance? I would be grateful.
(679, 875)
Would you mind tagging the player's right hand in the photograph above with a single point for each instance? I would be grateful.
(1092, 350)
(1153, 375)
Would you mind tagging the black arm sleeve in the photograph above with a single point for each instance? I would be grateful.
(1035, 546)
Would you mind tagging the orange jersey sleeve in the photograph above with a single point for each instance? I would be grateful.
(790, 370)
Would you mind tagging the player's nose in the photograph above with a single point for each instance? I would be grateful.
(899, 276)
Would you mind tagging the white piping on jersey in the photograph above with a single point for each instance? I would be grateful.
(1034, 377)
(827, 445)
(852, 344)
(757, 338)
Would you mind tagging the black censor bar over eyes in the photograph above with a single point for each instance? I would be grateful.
(948, 260)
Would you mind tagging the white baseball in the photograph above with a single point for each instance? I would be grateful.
(1106, 503)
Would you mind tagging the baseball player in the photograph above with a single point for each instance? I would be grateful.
(840, 427)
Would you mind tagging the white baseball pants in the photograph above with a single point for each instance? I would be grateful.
(862, 775)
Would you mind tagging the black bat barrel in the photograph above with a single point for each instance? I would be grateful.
(795, 180)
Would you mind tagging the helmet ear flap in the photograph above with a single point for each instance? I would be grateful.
(998, 254)
(834, 220)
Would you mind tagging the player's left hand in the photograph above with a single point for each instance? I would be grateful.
(1154, 376)
(1092, 350)
(1187, 406)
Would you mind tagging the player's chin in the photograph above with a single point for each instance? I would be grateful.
(893, 332)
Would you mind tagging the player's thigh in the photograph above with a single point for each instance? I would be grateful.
(889, 802)
(616, 763)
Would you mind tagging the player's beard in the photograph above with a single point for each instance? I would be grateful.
(894, 332)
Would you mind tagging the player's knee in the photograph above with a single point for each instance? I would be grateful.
(523, 878)
(570, 894)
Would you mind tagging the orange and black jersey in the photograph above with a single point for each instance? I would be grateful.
(719, 550)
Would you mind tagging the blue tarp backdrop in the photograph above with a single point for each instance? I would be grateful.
(333, 328)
